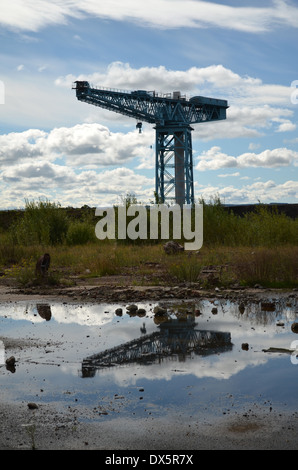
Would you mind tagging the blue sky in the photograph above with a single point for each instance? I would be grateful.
(54, 147)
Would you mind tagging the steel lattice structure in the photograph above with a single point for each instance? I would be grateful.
(172, 115)
(174, 339)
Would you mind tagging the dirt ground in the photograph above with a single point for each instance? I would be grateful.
(50, 429)
(47, 429)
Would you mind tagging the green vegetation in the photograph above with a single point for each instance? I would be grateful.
(261, 247)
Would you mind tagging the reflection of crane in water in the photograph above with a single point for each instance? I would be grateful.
(174, 338)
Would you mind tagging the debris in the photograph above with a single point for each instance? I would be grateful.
(279, 350)
(172, 247)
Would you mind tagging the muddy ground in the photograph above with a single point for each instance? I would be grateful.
(50, 429)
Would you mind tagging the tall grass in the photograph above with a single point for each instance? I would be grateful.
(262, 227)
(43, 223)
(259, 247)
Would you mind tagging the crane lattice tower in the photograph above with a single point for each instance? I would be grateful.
(172, 114)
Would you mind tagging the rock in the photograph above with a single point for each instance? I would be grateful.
(172, 247)
(119, 312)
(159, 310)
(241, 308)
(132, 308)
(32, 406)
(141, 312)
(214, 310)
(268, 306)
(280, 323)
(294, 327)
(10, 361)
(245, 346)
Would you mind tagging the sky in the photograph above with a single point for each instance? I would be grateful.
(54, 147)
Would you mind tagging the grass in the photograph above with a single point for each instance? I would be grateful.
(259, 248)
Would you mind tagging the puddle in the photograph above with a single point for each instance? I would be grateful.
(203, 357)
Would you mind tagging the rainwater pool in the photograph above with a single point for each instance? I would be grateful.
(206, 357)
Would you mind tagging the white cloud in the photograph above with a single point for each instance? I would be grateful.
(286, 126)
(254, 106)
(227, 175)
(92, 145)
(18, 146)
(265, 192)
(249, 122)
(89, 145)
(40, 179)
(195, 80)
(29, 15)
(214, 158)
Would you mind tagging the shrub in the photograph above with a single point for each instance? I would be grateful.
(80, 233)
(44, 223)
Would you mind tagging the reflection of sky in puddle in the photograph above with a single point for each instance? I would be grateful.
(69, 334)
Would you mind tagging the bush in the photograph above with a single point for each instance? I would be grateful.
(44, 223)
(262, 227)
(80, 233)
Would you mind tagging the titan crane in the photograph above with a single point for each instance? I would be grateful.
(172, 115)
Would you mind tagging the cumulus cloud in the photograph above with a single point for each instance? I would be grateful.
(89, 145)
(33, 166)
(215, 78)
(29, 15)
(254, 106)
(266, 192)
(214, 158)
(18, 146)
(39, 179)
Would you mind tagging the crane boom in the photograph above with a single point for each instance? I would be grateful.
(152, 107)
(173, 116)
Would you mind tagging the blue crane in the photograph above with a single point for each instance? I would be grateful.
(172, 114)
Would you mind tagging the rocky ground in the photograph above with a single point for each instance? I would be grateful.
(46, 428)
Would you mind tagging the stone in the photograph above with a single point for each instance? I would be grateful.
(10, 361)
(172, 247)
(132, 307)
(141, 312)
(32, 406)
(159, 310)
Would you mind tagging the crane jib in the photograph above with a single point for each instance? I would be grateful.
(152, 107)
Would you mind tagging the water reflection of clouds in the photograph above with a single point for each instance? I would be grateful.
(253, 326)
